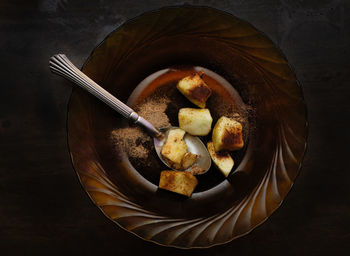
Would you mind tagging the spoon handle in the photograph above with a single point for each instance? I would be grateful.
(61, 65)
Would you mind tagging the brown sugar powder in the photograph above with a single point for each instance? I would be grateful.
(153, 110)
(135, 141)
(131, 139)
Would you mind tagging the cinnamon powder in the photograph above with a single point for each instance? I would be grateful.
(135, 141)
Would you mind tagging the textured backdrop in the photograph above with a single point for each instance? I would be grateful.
(43, 208)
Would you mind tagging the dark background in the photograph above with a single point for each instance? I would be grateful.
(43, 208)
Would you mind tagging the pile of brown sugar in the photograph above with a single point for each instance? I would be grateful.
(132, 139)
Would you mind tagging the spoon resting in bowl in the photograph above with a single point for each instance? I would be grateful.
(61, 65)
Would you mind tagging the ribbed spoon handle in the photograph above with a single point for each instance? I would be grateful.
(61, 65)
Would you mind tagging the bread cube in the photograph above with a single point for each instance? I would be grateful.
(227, 134)
(188, 160)
(174, 147)
(178, 181)
(194, 89)
(222, 160)
(195, 121)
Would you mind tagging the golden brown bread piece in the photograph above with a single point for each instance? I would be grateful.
(188, 160)
(194, 89)
(174, 147)
(195, 121)
(227, 134)
(222, 160)
(178, 181)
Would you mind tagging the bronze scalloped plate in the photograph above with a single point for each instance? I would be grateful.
(259, 72)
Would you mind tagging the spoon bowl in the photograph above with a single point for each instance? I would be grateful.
(194, 145)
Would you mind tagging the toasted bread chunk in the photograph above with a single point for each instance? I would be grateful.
(188, 160)
(178, 181)
(174, 147)
(222, 160)
(194, 89)
(227, 134)
(195, 121)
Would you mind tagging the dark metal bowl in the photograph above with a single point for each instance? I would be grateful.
(247, 59)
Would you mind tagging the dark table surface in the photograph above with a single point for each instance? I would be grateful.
(43, 208)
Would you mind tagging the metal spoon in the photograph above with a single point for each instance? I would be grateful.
(61, 65)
